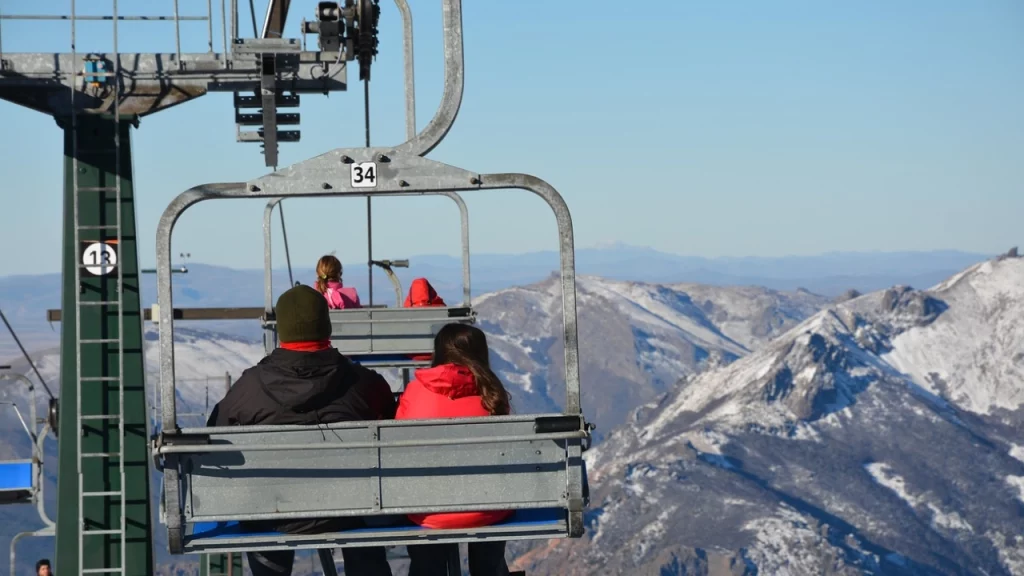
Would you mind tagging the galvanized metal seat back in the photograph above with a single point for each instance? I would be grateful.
(394, 330)
(375, 332)
(327, 479)
(373, 469)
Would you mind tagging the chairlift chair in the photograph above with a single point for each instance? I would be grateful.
(215, 478)
(379, 337)
(20, 480)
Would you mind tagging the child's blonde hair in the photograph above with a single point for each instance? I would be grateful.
(328, 268)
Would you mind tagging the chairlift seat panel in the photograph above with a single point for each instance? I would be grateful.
(238, 485)
(16, 475)
(501, 473)
(389, 331)
(16, 482)
(392, 330)
(381, 361)
(227, 536)
(282, 481)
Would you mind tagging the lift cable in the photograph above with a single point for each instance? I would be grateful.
(369, 200)
(369, 14)
(252, 12)
(287, 254)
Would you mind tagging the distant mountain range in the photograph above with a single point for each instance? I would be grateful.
(26, 298)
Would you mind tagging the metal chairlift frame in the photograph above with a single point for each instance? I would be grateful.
(35, 437)
(182, 453)
(38, 438)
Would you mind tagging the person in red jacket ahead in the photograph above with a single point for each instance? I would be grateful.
(459, 384)
(422, 294)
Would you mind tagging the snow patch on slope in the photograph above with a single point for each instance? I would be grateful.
(885, 476)
(973, 354)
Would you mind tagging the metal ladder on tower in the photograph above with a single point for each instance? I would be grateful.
(104, 234)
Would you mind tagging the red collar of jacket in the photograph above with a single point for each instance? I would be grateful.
(310, 346)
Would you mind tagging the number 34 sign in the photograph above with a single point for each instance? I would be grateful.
(99, 258)
(364, 175)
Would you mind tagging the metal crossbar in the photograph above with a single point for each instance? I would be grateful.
(175, 17)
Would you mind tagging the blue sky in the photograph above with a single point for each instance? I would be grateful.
(695, 127)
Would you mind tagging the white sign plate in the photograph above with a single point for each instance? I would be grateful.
(364, 175)
(99, 259)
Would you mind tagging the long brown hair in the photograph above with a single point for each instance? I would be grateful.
(466, 345)
(328, 268)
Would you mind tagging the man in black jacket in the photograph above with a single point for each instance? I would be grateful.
(307, 381)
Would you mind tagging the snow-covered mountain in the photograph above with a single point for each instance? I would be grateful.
(880, 436)
(636, 339)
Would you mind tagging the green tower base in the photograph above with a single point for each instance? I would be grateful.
(97, 170)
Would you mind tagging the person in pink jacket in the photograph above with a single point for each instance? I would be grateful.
(328, 283)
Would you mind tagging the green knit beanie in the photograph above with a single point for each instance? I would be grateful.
(302, 316)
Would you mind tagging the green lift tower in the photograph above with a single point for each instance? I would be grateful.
(104, 516)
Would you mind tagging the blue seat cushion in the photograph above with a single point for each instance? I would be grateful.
(16, 475)
(385, 359)
(533, 517)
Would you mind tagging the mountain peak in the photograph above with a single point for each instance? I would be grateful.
(879, 436)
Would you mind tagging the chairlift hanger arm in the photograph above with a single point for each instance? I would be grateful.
(387, 266)
(454, 82)
(24, 425)
(33, 417)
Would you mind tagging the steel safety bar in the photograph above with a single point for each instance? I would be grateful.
(208, 448)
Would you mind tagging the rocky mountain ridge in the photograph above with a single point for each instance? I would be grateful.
(879, 436)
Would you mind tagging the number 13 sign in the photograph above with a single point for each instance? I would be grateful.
(99, 258)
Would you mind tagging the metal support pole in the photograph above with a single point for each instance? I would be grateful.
(177, 33)
(224, 26)
(99, 393)
(209, 23)
(369, 201)
(234, 20)
(369, 246)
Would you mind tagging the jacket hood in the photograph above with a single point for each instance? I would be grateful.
(302, 381)
(422, 294)
(449, 380)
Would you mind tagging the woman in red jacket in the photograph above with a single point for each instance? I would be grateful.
(459, 384)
